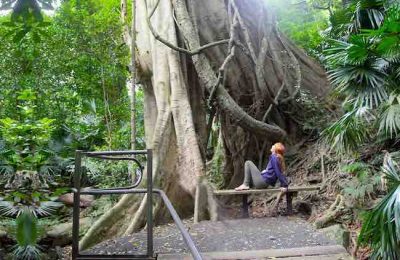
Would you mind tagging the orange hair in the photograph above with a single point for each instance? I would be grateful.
(280, 150)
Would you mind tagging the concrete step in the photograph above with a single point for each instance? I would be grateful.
(333, 252)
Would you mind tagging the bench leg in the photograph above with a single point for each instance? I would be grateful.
(245, 206)
(289, 198)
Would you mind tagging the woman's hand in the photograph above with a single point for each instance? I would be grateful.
(283, 189)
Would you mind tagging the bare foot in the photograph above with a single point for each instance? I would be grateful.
(242, 187)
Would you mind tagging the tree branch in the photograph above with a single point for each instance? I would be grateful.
(172, 46)
(221, 71)
(264, 119)
(245, 31)
(258, 60)
(208, 78)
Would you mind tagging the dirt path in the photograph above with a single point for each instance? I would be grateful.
(223, 236)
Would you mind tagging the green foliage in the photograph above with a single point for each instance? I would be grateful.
(347, 133)
(25, 138)
(302, 23)
(109, 174)
(381, 227)
(363, 183)
(215, 174)
(26, 17)
(27, 236)
(81, 59)
(356, 15)
(37, 203)
(63, 87)
(390, 117)
(363, 67)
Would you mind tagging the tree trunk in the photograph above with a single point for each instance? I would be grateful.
(267, 78)
(169, 126)
(255, 81)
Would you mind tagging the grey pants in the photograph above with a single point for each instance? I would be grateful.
(252, 176)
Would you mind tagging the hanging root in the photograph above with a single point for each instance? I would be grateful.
(336, 210)
(271, 203)
(206, 206)
(278, 199)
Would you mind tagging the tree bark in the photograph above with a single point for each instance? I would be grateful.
(133, 77)
(255, 82)
(169, 127)
(268, 72)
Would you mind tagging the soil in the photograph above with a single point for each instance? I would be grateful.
(228, 235)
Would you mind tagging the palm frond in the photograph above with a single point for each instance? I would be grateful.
(46, 208)
(27, 232)
(381, 228)
(347, 133)
(390, 117)
(6, 170)
(368, 14)
(397, 72)
(355, 51)
(27, 252)
(365, 83)
(8, 209)
(26, 236)
(340, 21)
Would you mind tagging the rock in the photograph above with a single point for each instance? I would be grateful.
(62, 234)
(98, 207)
(68, 199)
(338, 234)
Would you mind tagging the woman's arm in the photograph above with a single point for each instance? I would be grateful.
(278, 172)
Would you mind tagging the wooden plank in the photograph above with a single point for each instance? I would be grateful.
(264, 191)
(332, 252)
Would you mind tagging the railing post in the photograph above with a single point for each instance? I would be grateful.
(289, 198)
(75, 216)
(149, 202)
(245, 206)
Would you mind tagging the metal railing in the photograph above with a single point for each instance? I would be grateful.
(118, 155)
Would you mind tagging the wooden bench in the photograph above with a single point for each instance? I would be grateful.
(292, 191)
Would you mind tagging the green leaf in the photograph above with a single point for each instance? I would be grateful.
(20, 35)
(347, 133)
(27, 233)
(35, 37)
(9, 24)
(388, 43)
(381, 227)
(390, 117)
(44, 24)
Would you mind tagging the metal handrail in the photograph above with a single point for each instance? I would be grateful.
(185, 234)
(125, 190)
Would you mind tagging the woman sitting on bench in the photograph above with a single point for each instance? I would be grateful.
(268, 177)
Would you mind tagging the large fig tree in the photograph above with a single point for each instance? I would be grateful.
(200, 59)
